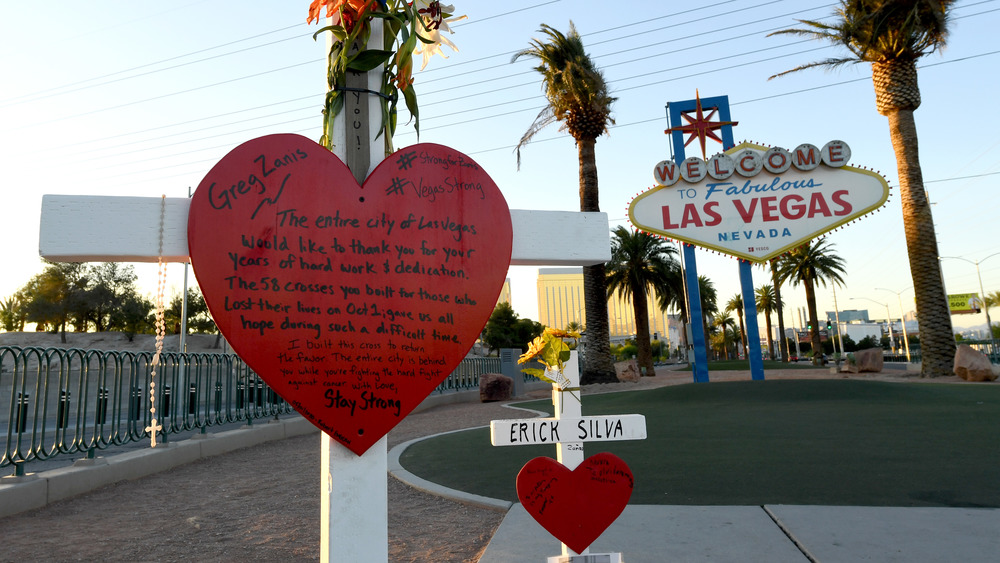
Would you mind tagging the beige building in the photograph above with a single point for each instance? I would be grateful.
(504, 292)
(560, 301)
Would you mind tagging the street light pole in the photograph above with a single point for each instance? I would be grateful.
(836, 315)
(888, 319)
(982, 294)
(902, 320)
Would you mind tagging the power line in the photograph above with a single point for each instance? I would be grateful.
(473, 109)
(17, 99)
(536, 108)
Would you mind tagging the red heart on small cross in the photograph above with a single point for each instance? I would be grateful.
(352, 302)
(575, 506)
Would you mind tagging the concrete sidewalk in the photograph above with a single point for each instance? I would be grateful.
(775, 534)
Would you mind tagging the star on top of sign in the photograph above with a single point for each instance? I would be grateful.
(700, 126)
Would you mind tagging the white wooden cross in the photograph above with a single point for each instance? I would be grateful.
(568, 430)
(354, 492)
(354, 497)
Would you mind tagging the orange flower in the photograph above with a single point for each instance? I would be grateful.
(344, 12)
(404, 74)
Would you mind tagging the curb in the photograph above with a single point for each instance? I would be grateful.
(36, 490)
(397, 471)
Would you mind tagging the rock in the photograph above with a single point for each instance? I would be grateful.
(627, 371)
(869, 360)
(495, 387)
(973, 365)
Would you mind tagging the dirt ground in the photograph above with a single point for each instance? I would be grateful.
(262, 503)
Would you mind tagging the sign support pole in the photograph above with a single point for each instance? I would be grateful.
(674, 110)
(753, 333)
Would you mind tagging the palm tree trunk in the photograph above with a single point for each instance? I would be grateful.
(725, 349)
(743, 334)
(641, 310)
(770, 342)
(937, 340)
(782, 341)
(598, 364)
(817, 346)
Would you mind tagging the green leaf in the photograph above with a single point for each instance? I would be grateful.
(540, 374)
(368, 60)
(334, 103)
(338, 31)
(411, 104)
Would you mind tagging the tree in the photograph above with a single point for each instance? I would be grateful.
(809, 264)
(109, 286)
(133, 316)
(992, 300)
(578, 97)
(767, 303)
(672, 295)
(709, 302)
(199, 320)
(639, 263)
(54, 297)
(892, 35)
(13, 313)
(735, 303)
(505, 330)
(723, 321)
(868, 342)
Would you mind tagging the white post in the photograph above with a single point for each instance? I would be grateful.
(354, 498)
(566, 404)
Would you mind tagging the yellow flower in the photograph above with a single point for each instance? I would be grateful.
(558, 333)
(534, 349)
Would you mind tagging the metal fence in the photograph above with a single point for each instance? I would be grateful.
(62, 401)
(989, 347)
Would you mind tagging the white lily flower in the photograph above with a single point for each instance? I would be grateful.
(434, 21)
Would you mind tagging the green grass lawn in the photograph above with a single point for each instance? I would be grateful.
(744, 365)
(828, 442)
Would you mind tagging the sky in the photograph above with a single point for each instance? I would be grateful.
(124, 101)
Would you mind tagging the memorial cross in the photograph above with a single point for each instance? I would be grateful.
(354, 490)
(568, 430)
(354, 495)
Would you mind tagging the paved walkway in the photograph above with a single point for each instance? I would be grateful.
(774, 534)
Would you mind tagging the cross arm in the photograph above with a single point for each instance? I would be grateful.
(127, 229)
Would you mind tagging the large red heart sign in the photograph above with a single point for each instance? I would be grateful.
(575, 506)
(351, 302)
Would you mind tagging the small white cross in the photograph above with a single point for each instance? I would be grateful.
(568, 430)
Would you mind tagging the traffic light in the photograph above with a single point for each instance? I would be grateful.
(829, 326)
(809, 326)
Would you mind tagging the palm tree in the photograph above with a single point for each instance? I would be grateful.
(709, 298)
(767, 303)
(672, 295)
(723, 321)
(578, 97)
(892, 35)
(735, 303)
(812, 263)
(638, 264)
